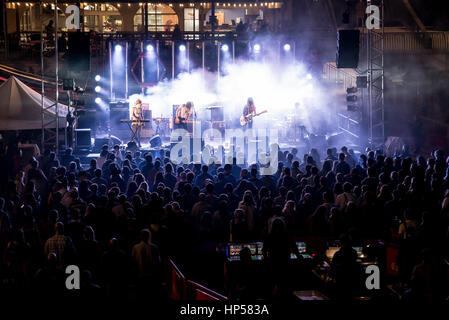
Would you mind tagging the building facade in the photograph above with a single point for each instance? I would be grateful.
(132, 17)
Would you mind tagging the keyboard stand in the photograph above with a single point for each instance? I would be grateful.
(133, 133)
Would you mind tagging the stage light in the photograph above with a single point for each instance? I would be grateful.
(118, 48)
(309, 76)
(97, 100)
(97, 77)
(150, 48)
(182, 48)
(97, 89)
(256, 48)
(225, 47)
(287, 47)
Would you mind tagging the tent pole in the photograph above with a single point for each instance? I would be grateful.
(42, 77)
(57, 77)
(5, 31)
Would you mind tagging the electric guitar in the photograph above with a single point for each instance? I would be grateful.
(179, 120)
(244, 120)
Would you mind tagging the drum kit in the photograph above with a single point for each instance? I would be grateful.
(162, 126)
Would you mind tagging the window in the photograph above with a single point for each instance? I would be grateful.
(161, 17)
(191, 19)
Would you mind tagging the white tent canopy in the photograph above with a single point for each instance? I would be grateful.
(20, 107)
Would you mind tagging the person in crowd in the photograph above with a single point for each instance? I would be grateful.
(61, 246)
(55, 211)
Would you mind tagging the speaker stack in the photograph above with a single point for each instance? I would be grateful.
(119, 110)
(78, 54)
(348, 48)
(147, 130)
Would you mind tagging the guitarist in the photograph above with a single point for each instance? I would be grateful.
(137, 117)
(249, 111)
(183, 115)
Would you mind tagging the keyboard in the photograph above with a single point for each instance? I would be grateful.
(131, 121)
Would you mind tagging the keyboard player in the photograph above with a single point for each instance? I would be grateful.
(137, 119)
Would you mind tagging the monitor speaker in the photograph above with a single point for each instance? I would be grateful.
(156, 142)
(348, 48)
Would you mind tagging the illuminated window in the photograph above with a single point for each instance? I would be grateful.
(160, 18)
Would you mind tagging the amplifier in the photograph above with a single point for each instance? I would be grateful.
(147, 130)
(83, 138)
(118, 111)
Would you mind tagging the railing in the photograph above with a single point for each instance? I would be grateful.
(348, 125)
(181, 289)
(406, 41)
(346, 77)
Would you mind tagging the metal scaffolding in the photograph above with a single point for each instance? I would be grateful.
(50, 119)
(375, 74)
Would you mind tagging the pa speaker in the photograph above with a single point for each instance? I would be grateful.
(348, 48)
(362, 82)
(79, 51)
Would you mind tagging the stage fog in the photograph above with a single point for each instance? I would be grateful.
(289, 92)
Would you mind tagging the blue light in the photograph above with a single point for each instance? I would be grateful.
(118, 48)
(150, 48)
(309, 76)
(182, 48)
(225, 47)
(97, 77)
(256, 47)
(97, 100)
(287, 47)
(97, 89)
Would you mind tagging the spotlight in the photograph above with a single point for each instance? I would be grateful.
(97, 100)
(182, 48)
(309, 76)
(225, 47)
(256, 47)
(150, 48)
(287, 47)
(97, 89)
(97, 77)
(118, 48)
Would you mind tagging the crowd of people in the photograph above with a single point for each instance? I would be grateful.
(119, 217)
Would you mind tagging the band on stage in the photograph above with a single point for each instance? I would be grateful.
(184, 118)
